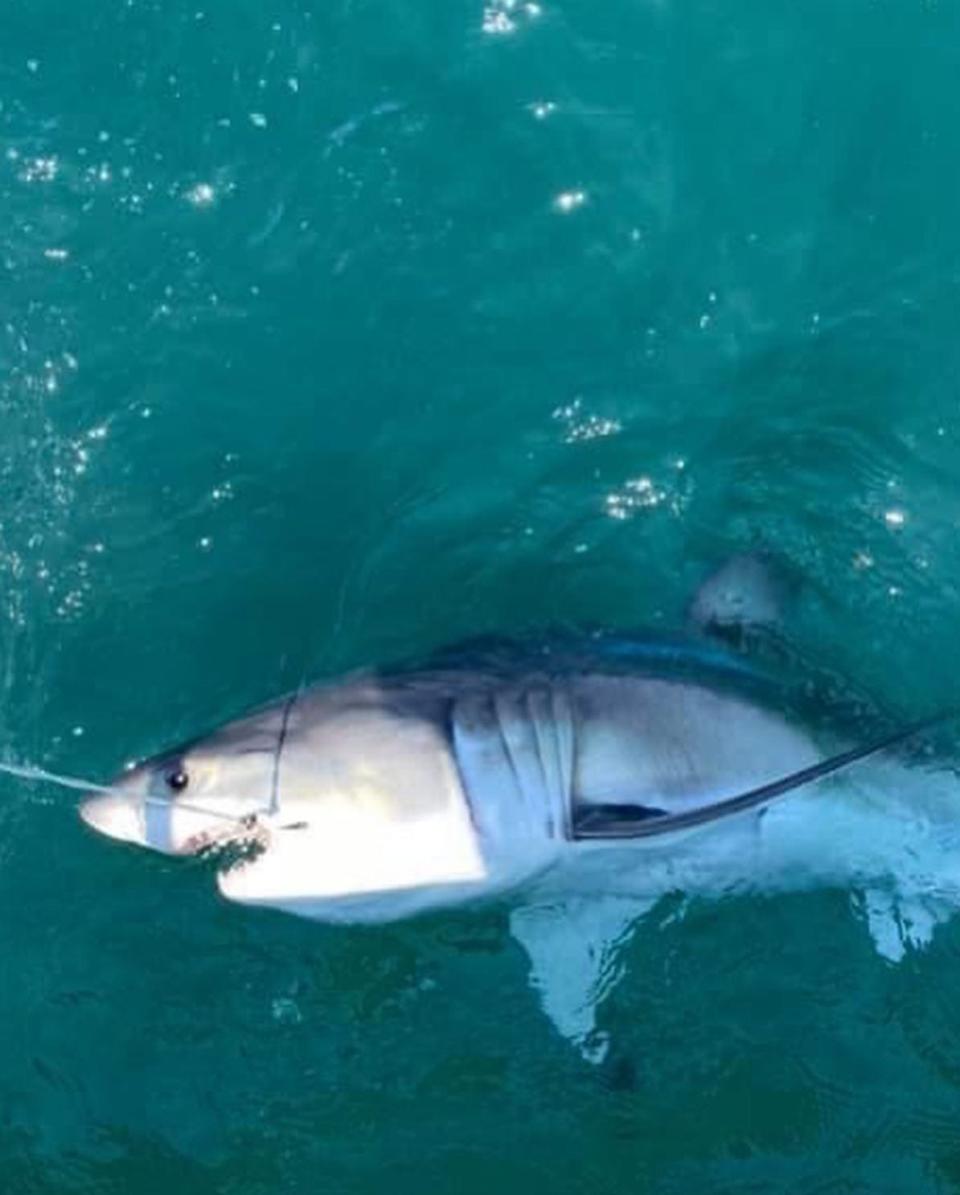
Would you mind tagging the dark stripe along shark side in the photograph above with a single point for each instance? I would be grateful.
(544, 772)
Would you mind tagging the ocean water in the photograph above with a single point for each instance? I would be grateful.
(333, 332)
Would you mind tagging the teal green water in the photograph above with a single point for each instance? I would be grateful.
(331, 333)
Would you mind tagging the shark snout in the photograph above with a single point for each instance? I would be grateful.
(115, 816)
(168, 826)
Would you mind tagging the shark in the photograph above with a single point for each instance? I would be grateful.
(581, 777)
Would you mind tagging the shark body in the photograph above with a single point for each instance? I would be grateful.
(544, 773)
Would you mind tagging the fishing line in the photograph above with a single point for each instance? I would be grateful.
(28, 772)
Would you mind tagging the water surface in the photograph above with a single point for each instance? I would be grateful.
(332, 332)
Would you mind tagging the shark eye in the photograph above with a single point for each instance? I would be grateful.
(177, 780)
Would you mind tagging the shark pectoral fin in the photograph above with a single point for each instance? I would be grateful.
(746, 593)
(575, 947)
(899, 924)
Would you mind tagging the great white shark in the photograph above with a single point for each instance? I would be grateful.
(582, 778)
